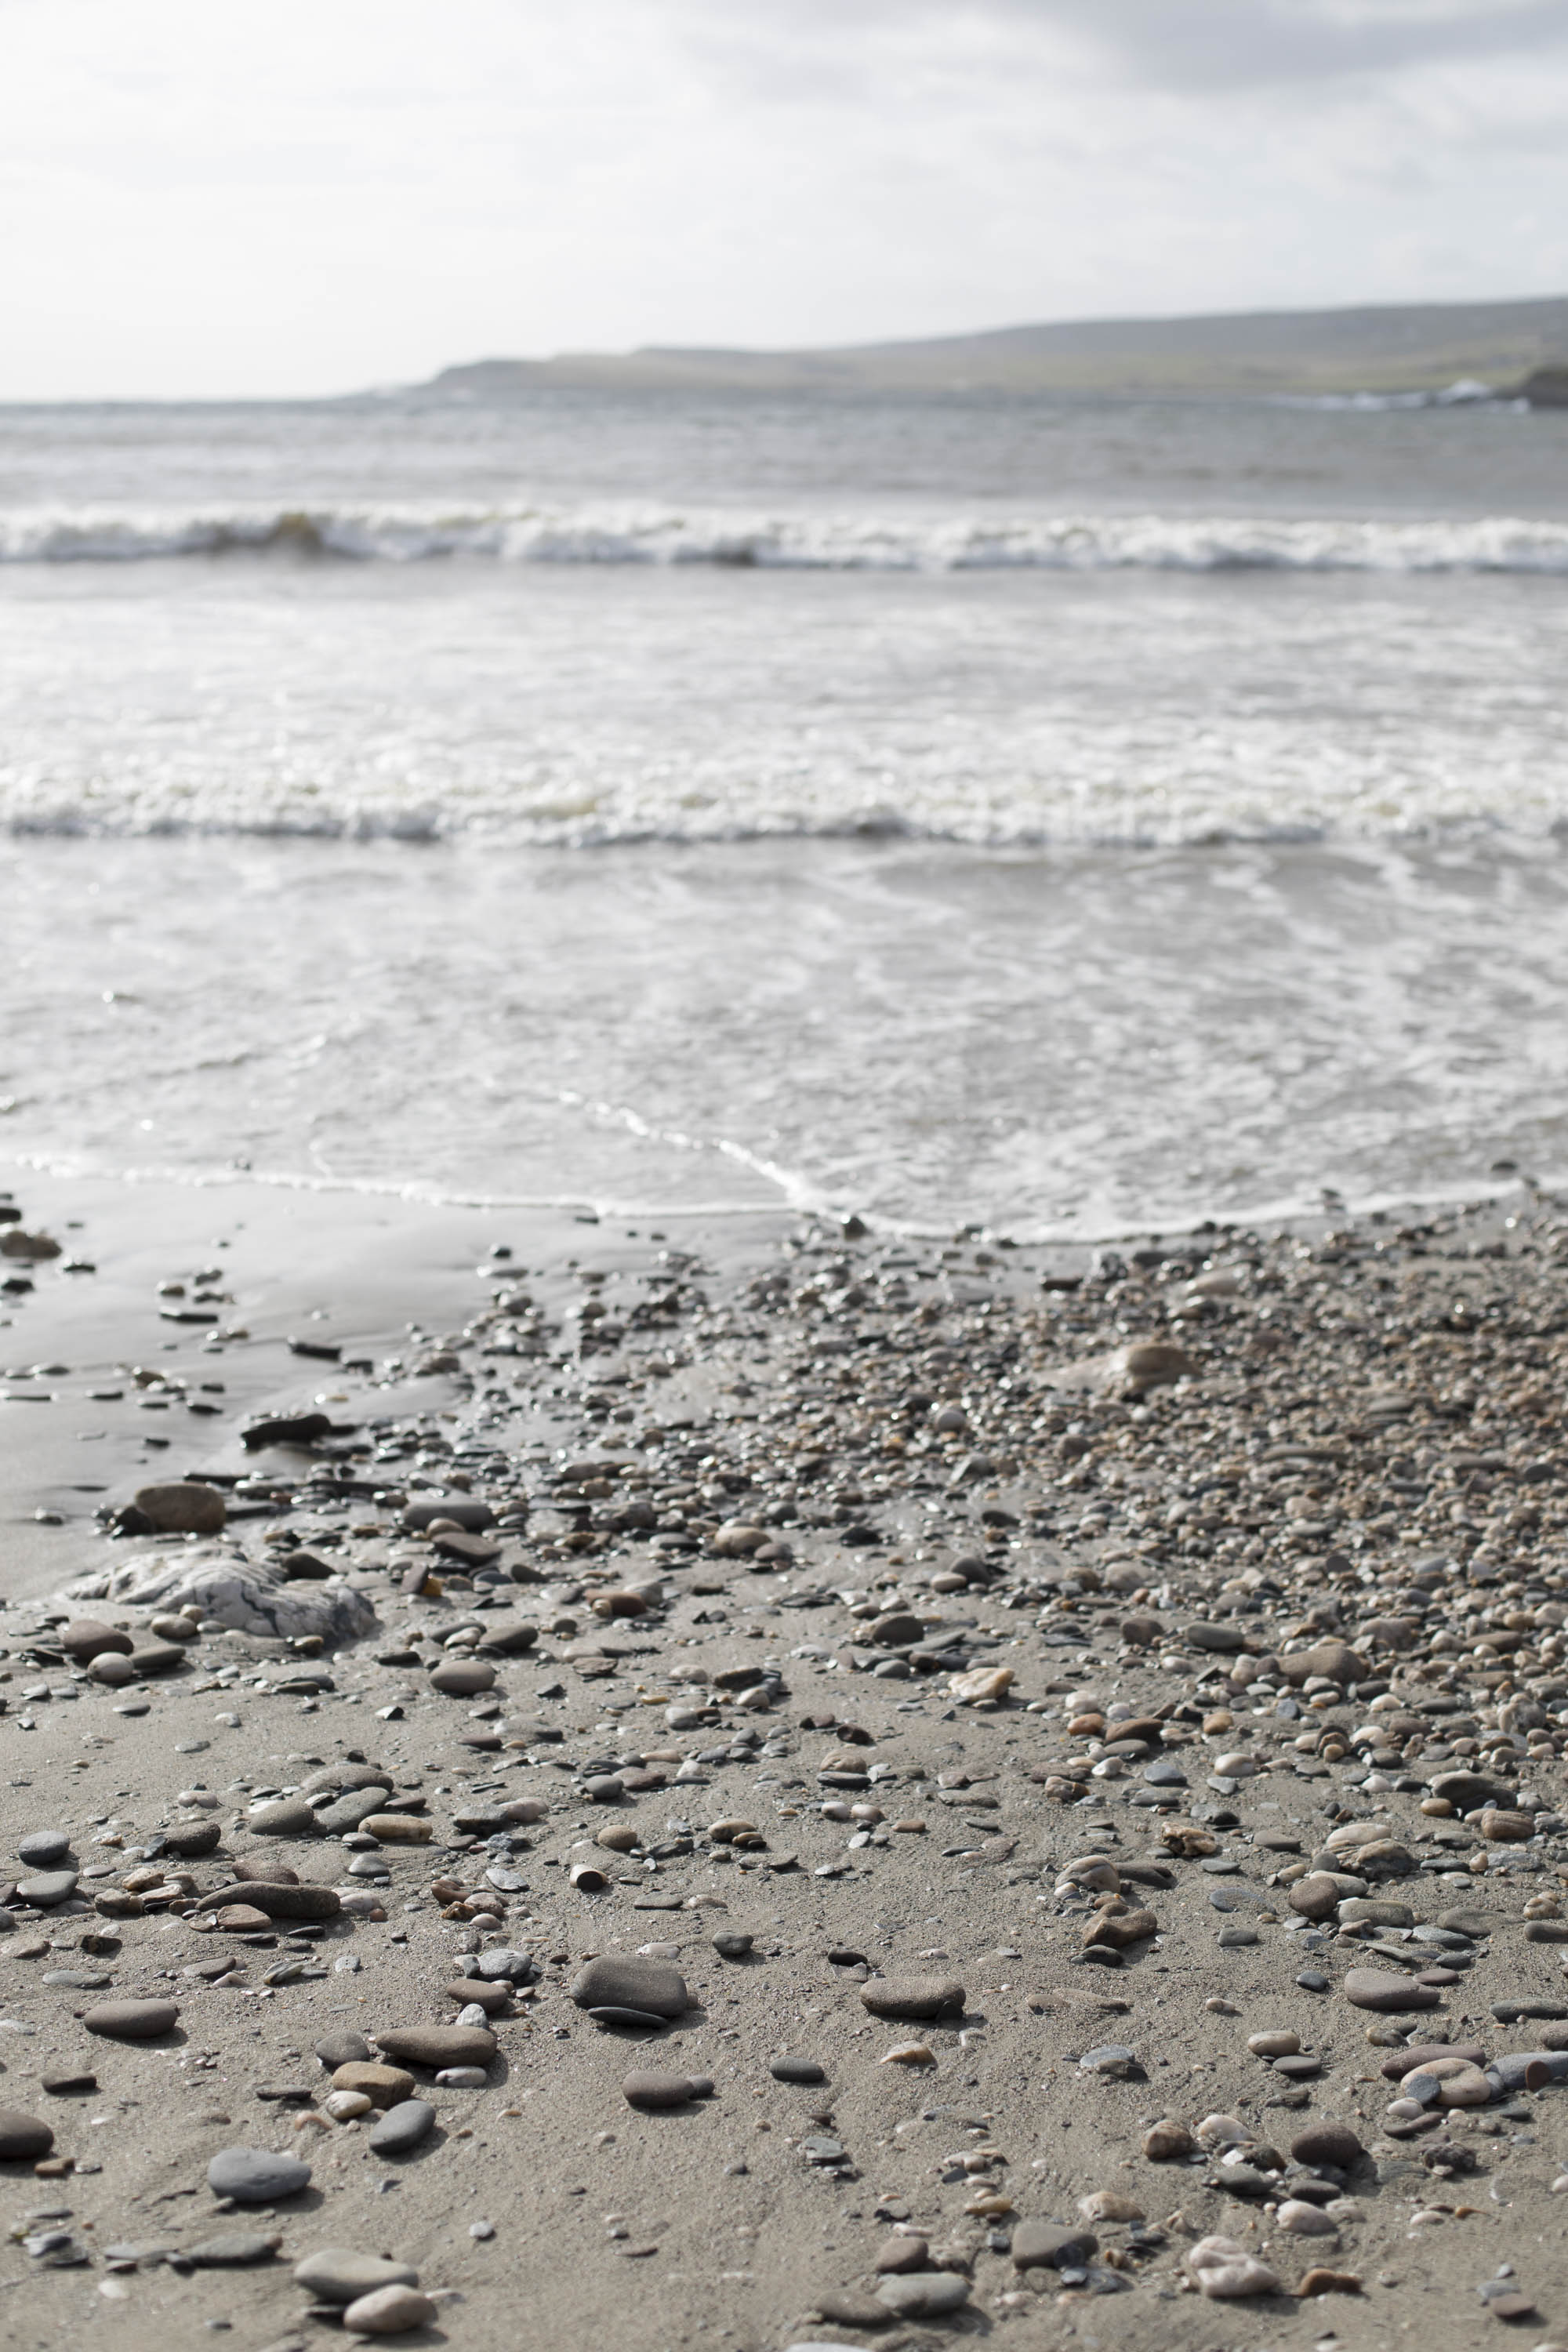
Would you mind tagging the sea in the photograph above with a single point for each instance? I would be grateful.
(1045, 816)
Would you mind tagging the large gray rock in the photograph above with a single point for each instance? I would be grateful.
(240, 1594)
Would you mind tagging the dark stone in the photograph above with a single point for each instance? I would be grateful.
(131, 2021)
(913, 1997)
(797, 2070)
(1326, 2143)
(288, 1429)
(23, 2138)
(651, 2090)
(403, 2128)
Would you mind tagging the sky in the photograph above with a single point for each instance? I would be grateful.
(308, 196)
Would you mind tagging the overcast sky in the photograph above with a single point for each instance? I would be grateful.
(307, 196)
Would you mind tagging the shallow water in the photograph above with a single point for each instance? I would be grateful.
(1070, 1042)
(936, 860)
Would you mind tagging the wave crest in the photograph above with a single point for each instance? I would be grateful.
(806, 540)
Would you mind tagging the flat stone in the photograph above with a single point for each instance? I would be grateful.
(65, 2084)
(131, 2021)
(438, 2045)
(900, 2254)
(923, 1997)
(648, 2089)
(1470, 1792)
(844, 2306)
(255, 2175)
(477, 1992)
(279, 1899)
(929, 2295)
(47, 1888)
(233, 2249)
(40, 1849)
(398, 1829)
(182, 1507)
(390, 2311)
(797, 2070)
(84, 1638)
(384, 2087)
(403, 2128)
(336, 2274)
(23, 2138)
(1203, 1635)
(156, 1657)
(1380, 1989)
(618, 1981)
(243, 1919)
(1335, 1661)
(288, 1817)
(463, 1677)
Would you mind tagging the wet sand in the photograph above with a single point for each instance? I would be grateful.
(1127, 1663)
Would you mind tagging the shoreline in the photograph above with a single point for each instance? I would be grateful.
(1053, 1714)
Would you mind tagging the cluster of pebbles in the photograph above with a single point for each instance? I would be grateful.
(917, 1789)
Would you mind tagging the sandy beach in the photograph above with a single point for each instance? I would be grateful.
(908, 1790)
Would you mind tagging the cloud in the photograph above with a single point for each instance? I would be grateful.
(1212, 44)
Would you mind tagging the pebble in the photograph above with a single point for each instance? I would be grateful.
(335, 2274)
(797, 2070)
(280, 1900)
(657, 2090)
(383, 2085)
(389, 2311)
(1328, 2143)
(932, 2295)
(461, 1678)
(341, 2049)
(1379, 1988)
(40, 1848)
(234, 2249)
(476, 1992)
(23, 2138)
(86, 1638)
(182, 1507)
(914, 1996)
(255, 2175)
(131, 2021)
(618, 1981)
(289, 1817)
(403, 2128)
(433, 2046)
(48, 1888)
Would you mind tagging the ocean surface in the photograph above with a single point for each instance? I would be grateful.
(1058, 816)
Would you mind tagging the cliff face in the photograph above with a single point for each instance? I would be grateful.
(1417, 347)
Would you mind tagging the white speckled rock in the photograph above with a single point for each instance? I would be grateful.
(243, 1596)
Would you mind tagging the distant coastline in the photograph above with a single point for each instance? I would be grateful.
(1400, 347)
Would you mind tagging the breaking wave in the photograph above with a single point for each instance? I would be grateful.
(803, 540)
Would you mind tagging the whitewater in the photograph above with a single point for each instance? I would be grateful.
(1048, 815)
